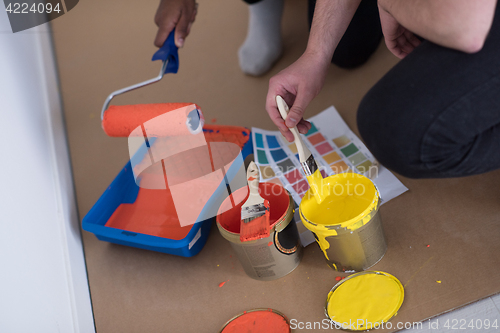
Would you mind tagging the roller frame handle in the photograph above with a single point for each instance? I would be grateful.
(169, 54)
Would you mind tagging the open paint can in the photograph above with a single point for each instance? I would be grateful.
(364, 301)
(347, 223)
(267, 258)
(258, 321)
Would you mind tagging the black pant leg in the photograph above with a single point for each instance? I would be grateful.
(437, 112)
(361, 38)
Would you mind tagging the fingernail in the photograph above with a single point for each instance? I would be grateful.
(180, 42)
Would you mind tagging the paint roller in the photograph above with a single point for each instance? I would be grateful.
(160, 119)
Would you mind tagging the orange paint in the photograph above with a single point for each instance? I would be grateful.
(258, 322)
(428, 246)
(278, 201)
(222, 283)
(257, 228)
(338, 278)
(270, 243)
(121, 120)
(251, 178)
(222, 133)
(153, 212)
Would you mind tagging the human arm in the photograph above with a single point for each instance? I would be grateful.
(299, 83)
(178, 14)
(458, 24)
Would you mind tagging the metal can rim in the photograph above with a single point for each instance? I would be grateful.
(370, 210)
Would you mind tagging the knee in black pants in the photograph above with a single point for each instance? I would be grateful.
(390, 134)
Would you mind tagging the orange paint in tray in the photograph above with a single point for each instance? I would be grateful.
(153, 212)
(146, 217)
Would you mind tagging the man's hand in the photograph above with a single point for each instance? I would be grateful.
(399, 40)
(179, 14)
(298, 84)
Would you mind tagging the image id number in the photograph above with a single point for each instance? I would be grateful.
(24, 8)
(473, 324)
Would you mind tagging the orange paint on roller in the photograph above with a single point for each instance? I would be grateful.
(122, 120)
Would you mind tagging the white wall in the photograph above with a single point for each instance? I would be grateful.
(43, 281)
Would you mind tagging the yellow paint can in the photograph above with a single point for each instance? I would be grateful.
(346, 224)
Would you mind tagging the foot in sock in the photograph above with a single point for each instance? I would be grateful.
(263, 46)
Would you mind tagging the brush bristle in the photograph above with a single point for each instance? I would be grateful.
(255, 226)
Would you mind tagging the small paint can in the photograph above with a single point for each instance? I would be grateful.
(267, 258)
(347, 223)
(258, 321)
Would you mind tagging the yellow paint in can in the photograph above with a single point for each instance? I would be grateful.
(348, 197)
(350, 202)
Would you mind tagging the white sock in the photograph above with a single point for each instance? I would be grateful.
(262, 47)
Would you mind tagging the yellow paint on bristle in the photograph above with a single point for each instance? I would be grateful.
(316, 184)
(365, 300)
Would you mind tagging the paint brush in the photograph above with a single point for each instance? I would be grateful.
(255, 211)
(307, 161)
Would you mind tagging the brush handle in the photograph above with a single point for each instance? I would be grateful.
(169, 54)
(304, 152)
(253, 179)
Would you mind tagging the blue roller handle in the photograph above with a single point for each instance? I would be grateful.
(169, 52)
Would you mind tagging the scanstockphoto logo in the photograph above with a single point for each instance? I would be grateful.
(26, 14)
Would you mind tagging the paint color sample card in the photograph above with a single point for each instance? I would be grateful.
(336, 149)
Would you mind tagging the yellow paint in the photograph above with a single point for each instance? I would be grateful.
(324, 245)
(349, 198)
(438, 281)
(316, 186)
(365, 300)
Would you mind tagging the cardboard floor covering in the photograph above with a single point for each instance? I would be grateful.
(102, 46)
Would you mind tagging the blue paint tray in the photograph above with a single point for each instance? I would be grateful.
(129, 207)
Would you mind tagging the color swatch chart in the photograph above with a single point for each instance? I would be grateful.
(334, 146)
